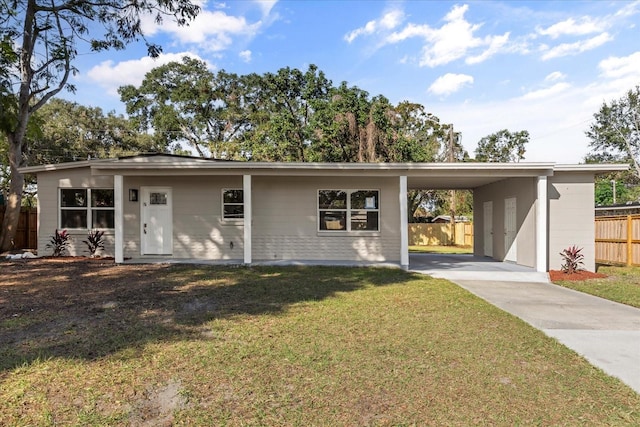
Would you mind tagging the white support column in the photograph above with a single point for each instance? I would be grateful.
(248, 217)
(118, 196)
(404, 224)
(541, 225)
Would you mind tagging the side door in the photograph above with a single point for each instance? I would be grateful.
(156, 228)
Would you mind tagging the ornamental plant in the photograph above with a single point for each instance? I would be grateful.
(95, 241)
(573, 259)
(59, 242)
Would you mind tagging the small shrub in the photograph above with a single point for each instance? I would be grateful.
(572, 257)
(59, 242)
(95, 241)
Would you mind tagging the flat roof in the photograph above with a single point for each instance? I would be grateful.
(419, 175)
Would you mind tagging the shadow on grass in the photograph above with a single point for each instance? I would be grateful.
(84, 309)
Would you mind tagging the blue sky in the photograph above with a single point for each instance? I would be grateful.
(541, 66)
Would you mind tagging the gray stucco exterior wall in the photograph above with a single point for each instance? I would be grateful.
(571, 217)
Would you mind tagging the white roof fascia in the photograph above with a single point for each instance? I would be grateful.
(61, 166)
(145, 165)
(193, 168)
(593, 167)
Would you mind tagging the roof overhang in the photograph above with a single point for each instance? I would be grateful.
(419, 175)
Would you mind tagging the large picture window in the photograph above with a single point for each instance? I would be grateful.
(86, 208)
(232, 204)
(348, 210)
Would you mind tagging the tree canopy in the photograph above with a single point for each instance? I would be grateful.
(615, 132)
(615, 138)
(288, 115)
(502, 146)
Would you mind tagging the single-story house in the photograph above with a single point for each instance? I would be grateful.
(172, 207)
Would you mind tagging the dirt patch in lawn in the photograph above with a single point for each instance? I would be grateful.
(558, 275)
(81, 308)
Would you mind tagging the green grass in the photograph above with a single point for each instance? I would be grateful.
(442, 249)
(280, 346)
(622, 285)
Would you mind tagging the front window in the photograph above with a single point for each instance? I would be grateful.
(232, 204)
(348, 210)
(86, 208)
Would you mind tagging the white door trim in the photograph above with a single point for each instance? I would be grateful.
(159, 225)
(510, 229)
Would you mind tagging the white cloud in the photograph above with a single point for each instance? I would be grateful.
(450, 83)
(546, 92)
(555, 76)
(567, 49)
(619, 74)
(616, 67)
(556, 117)
(586, 25)
(496, 44)
(211, 30)
(266, 6)
(111, 76)
(454, 40)
(387, 22)
(629, 9)
(245, 55)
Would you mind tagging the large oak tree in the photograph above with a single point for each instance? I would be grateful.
(39, 40)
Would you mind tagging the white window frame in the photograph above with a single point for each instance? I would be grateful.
(223, 204)
(348, 211)
(89, 209)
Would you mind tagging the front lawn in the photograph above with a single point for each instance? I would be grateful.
(91, 343)
(622, 285)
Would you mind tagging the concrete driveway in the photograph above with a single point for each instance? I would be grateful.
(605, 333)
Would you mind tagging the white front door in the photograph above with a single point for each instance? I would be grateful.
(510, 230)
(488, 228)
(156, 221)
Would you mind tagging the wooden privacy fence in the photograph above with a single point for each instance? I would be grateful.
(27, 234)
(618, 239)
(440, 234)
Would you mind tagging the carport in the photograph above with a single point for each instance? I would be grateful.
(525, 214)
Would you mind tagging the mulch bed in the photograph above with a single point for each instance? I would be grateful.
(558, 276)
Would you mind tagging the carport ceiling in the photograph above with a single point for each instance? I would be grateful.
(467, 178)
(450, 182)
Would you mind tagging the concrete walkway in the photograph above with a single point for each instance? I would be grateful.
(605, 333)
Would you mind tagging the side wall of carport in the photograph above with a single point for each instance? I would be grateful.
(524, 190)
(571, 216)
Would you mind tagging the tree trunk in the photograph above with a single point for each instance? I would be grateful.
(14, 197)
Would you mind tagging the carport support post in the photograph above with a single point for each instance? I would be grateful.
(248, 218)
(118, 217)
(404, 224)
(541, 225)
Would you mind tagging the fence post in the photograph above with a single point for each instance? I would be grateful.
(629, 240)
